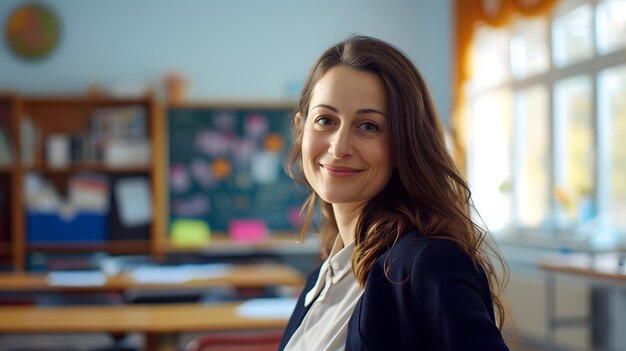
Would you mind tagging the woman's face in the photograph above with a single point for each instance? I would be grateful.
(345, 144)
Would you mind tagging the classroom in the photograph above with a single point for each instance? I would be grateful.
(146, 201)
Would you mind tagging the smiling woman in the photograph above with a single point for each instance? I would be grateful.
(406, 268)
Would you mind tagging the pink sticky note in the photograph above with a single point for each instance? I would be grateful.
(247, 230)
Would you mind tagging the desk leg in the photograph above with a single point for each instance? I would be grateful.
(168, 342)
(550, 311)
(152, 342)
(160, 342)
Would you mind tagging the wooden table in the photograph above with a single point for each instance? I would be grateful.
(588, 265)
(238, 276)
(603, 267)
(152, 320)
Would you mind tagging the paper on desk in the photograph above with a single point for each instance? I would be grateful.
(76, 278)
(267, 308)
(178, 274)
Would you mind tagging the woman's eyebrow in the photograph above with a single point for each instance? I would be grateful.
(370, 110)
(361, 111)
(332, 108)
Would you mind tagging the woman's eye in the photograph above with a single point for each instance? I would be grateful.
(369, 127)
(323, 121)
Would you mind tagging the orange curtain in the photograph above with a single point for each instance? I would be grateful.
(467, 13)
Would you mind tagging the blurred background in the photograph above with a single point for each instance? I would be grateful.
(159, 127)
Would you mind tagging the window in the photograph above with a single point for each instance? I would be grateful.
(612, 123)
(492, 153)
(611, 25)
(532, 126)
(547, 120)
(572, 33)
(529, 47)
(573, 142)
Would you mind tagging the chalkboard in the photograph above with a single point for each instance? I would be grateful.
(226, 164)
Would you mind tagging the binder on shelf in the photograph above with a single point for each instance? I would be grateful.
(119, 226)
(80, 218)
(5, 149)
(4, 215)
(58, 151)
(29, 137)
(51, 227)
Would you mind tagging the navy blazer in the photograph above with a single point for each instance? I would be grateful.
(436, 298)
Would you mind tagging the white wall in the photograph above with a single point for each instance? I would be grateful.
(230, 49)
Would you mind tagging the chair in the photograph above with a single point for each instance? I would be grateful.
(261, 341)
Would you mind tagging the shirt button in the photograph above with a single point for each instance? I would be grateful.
(335, 266)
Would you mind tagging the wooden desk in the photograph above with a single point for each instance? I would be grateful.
(152, 320)
(239, 276)
(595, 266)
(604, 267)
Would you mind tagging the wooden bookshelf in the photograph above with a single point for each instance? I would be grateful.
(73, 116)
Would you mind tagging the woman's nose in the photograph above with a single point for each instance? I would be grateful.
(340, 144)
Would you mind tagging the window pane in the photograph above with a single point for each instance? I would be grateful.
(611, 25)
(532, 176)
(572, 34)
(490, 157)
(529, 47)
(574, 151)
(490, 57)
(612, 106)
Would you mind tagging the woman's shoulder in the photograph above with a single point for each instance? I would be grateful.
(415, 245)
(416, 254)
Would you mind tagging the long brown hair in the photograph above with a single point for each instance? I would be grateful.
(426, 190)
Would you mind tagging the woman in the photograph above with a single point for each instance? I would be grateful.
(405, 267)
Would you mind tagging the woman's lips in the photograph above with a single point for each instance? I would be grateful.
(338, 171)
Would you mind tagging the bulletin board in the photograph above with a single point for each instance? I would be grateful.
(226, 164)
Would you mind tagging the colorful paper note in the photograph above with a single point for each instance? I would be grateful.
(190, 232)
(247, 230)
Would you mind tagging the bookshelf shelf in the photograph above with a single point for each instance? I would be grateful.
(110, 246)
(221, 242)
(87, 167)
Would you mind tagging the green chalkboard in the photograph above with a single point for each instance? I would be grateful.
(226, 164)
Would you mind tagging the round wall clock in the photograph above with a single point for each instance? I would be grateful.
(32, 31)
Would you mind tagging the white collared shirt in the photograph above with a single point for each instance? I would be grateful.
(325, 325)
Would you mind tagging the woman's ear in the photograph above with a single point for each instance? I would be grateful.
(298, 119)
